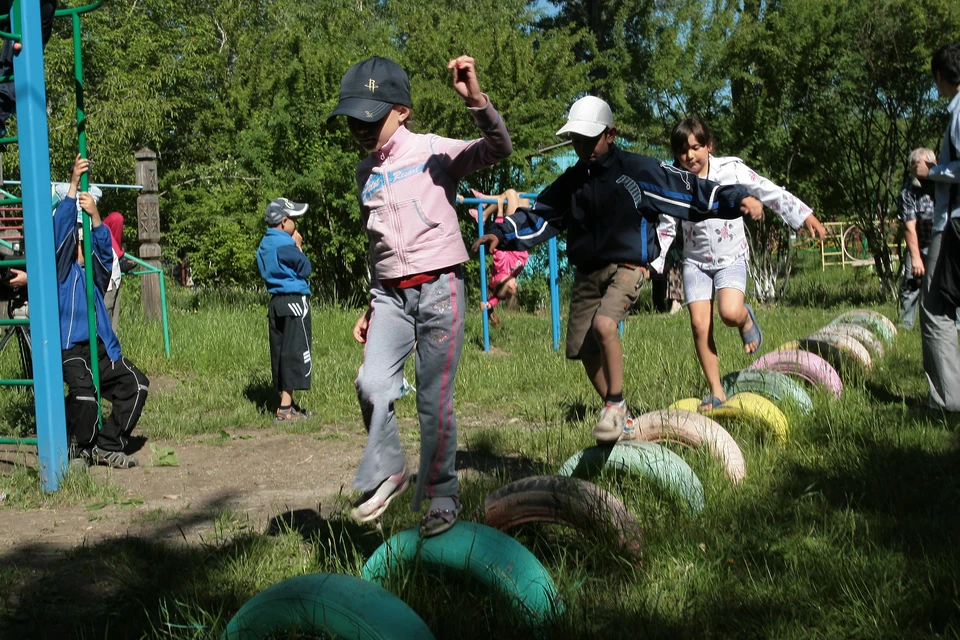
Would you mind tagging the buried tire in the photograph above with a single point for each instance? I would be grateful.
(804, 364)
(770, 384)
(572, 502)
(859, 333)
(842, 351)
(694, 430)
(749, 406)
(327, 604)
(875, 321)
(476, 551)
(647, 459)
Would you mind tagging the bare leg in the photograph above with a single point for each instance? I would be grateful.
(701, 323)
(593, 365)
(733, 313)
(605, 333)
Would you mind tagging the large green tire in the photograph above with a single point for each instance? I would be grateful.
(476, 551)
(648, 459)
(876, 322)
(572, 502)
(776, 386)
(327, 604)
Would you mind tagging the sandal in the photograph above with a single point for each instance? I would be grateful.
(372, 504)
(710, 403)
(436, 521)
(753, 334)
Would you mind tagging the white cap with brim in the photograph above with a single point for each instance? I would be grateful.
(589, 117)
(280, 208)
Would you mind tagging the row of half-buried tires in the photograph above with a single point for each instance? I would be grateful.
(354, 608)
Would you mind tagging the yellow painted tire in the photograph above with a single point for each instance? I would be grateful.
(745, 406)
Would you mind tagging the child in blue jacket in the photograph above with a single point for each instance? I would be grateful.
(285, 269)
(122, 383)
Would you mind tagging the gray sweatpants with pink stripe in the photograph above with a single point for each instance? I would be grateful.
(429, 316)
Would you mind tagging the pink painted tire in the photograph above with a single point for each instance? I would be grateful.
(693, 430)
(572, 502)
(803, 364)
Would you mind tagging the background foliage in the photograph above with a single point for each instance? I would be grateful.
(826, 97)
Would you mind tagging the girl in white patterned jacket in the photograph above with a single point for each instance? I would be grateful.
(715, 252)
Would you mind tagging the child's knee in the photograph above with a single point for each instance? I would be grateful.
(731, 314)
(604, 327)
(373, 386)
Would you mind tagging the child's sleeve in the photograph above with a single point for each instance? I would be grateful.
(528, 227)
(666, 232)
(294, 259)
(64, 236)
(465, 157)
(102, 257)
(788, 206)
(662, 189)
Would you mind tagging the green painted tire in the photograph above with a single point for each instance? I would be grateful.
(879, 324)
(327, 604)
(648, 459)
(495, 559)
(770, 384)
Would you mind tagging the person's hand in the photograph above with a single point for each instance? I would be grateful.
(816, 229)
(485, 305)
(752, 207)
(80, 167)
(920, 170)
(88, 204)
(489, 240)
(298, 239)
(19, 278)
(917, 266)
(465, 81)
(360, 328)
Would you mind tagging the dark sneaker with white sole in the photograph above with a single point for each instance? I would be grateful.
(113, 459)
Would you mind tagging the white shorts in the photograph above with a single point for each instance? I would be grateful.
(700, 284)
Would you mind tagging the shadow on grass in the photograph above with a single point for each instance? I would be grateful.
(334, 534)
(509, 467)
(260, 392)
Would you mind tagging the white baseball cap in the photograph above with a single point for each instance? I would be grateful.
(589, 116)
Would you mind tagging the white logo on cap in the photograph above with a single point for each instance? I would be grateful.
(368, 114)
(372, 85)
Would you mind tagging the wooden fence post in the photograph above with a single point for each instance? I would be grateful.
(148, 225)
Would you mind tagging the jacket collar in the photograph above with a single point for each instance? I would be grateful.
(394, 145)
(602, 164)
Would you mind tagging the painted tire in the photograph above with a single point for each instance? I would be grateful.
(493, 558)
(748, 406)
(861, 334)
(327, 604)
(876, 322)
(842, 351)
(572, 502)
(803, 364)
(693, 430)
(648, 459)
(770, 384)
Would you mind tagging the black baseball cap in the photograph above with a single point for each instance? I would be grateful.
(370, 88)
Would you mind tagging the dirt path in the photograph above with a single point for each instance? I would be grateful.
(230, 483)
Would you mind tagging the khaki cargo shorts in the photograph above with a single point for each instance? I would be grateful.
(607, 292)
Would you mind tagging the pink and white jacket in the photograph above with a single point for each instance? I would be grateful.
(715, 244)
(407, 191)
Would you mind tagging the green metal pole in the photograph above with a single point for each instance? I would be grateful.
(163, 315)
(87, 238)
(32, 441)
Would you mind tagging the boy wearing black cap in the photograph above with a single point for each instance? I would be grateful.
(285, 269)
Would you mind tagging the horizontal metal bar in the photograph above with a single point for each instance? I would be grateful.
(32, 441)
(13, 263)
(12, 321)
(16, 382)
(93, 184)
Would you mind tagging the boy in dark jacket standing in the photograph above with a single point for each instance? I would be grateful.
(609, 203)
(121, 382)
(285, 269)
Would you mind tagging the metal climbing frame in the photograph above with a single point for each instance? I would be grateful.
(554, 274)
(33, 144)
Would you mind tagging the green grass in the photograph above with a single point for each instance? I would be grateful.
(850, 530)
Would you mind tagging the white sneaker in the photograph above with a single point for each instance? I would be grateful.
(629, 430)
(613, 418)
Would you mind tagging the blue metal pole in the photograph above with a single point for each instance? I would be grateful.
(39, 245)
(483, 279)
(554, 293)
